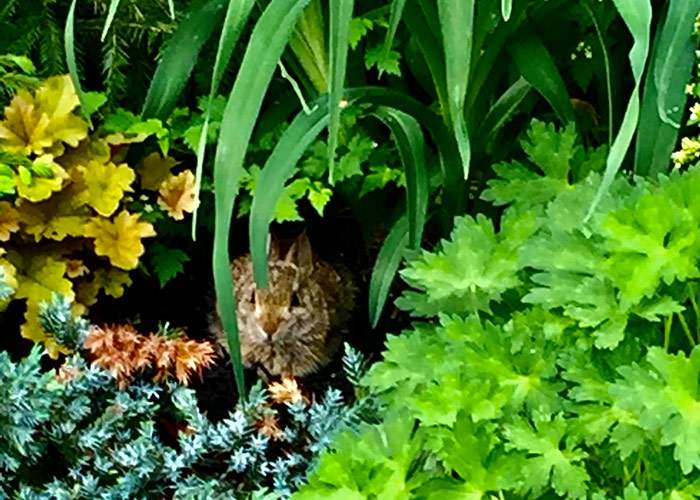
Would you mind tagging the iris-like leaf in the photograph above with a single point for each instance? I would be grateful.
(637, 16)
(264, 51)
(236, 18)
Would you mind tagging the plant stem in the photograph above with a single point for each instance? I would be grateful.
(295, 87)
(667, 331)
(693, 300)
(686, 330)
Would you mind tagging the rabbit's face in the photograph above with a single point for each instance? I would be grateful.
(278, 308)
(286, 328)
(291, 308)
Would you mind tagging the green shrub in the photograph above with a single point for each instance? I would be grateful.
(75, 434)
(550, 357)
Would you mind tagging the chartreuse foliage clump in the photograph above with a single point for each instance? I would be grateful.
(551, 357)
(73, 213)
(75, 433)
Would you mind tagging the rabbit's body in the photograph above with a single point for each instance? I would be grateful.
(296, 325)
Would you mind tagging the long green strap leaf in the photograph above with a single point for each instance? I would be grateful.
(637, 16)
(431, 47)
(236, 18)
(675, 42)
(113, 6)
(305, 128)
(457, 24)
(665, 94)
(396, 11)
(180, 56)
(264, 51)
(308, 43)
(340, 17)
(302, 131)
(506, 9)
(409, 140)
(69, 44)
(537, 67)
(502, 110)
(385, 268)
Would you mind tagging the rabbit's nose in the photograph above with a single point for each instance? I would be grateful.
(269, 327)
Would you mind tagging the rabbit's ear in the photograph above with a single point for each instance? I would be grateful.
(300, 252)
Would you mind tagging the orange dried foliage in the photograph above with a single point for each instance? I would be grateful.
(124, 352)
(268, 425)
(285, 391)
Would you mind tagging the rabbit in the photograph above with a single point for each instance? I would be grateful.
(294, 327)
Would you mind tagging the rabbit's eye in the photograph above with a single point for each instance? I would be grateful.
(295, 300)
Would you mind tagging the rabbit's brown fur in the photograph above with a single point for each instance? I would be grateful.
(296, 325)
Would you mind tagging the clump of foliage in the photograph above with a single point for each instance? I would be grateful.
(124, 53)
(689, 152)
(552, 355)
(75, 433)
(69, 218)
(16, 73)
(363, 164)
(124, 352)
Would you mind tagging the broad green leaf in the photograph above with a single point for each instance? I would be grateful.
(457, 23)
(94, 101)
(340, 17)
(179, 57)
(664, 98)
(537, 67)
(113, 6)
(408, 137)
(386, 267)
(167, 262)
(236, 18)
(264, 50)
(637, 15)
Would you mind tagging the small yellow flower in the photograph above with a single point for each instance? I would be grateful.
(120, 240)
(176, 195)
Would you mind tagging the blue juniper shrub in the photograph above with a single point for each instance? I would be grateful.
(73, 434)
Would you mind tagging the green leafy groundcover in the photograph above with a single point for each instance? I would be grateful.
(550, 358)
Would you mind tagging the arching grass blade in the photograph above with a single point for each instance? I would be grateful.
(236, 18)
(637, 16)
(386, 267)
(263, 52)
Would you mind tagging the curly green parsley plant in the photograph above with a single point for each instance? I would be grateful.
(550, 358)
